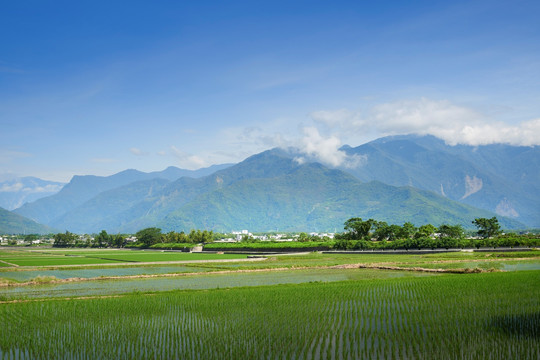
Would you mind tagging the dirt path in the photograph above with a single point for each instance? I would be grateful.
(418, 269)
(10, 264)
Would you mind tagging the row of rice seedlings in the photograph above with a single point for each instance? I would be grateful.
(468, 317)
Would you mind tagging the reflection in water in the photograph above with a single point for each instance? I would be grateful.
(208, 281)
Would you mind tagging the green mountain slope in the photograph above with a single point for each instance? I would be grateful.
(314, 198)
(11, 223)
(96, 212)
(499, 178)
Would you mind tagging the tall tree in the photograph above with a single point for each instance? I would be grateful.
(487, 227)
(407, 231)
(102, 239)
(64, 239)
(149, 236)
(451, 231)
(425, 231)
(357, 228)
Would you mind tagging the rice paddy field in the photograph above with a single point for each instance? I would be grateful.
(89, 257)
(312, 306)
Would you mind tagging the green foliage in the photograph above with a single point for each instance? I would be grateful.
(487, 227)
(247, 239)
(451, 231)
(31, 237)
(175, 237)
(357, 229)
(427, 230)
(173, 246)
(270, 245)
(303, 237)
(64, 239)
(407, 231)
(12, 223)
(201, 237)
(103, 239)
(149, 236)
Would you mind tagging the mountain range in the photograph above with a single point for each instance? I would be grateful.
(395, 179)
(500, 178)
(11, 223)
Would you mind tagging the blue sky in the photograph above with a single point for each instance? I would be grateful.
(95, 87)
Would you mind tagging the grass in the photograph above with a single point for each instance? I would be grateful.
(55, 260)
(478, 316)
(88, 257)
(313, 313)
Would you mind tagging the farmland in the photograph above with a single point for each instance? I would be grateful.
(88, 257)
(304, 306)
(474, 316)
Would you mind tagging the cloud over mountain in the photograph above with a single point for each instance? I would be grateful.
(453, 123)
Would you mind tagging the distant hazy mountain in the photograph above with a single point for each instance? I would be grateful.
(11, 223)
(83, 188)
(500, 178)
(99, 210)
(17, 191)
(397, 179)
(267, 191)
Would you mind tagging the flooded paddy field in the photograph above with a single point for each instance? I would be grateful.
(67, 273)
(99, 287)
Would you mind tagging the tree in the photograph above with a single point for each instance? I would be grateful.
(357, 228)
(425, 231)
(406, 231)
(103, 239)
(118, 240)
(451, 231)
(64, 240)
(487, 227)
(381, 230)
(149, 236)
(303, 237)
(29, 238)
(246, 238)
(198, 236)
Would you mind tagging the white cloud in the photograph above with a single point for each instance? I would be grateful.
(137, 152)
(188, 161)
(453, 123)
(49, 188)
(20, 187)
(326, 150)
(15, 187)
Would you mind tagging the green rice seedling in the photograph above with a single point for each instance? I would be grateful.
(491, 315)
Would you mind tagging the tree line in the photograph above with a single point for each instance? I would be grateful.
(362, 234)
(358, 234)
(144, 238)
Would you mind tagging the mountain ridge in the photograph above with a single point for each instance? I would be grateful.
(12, 223)
(409, 173)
